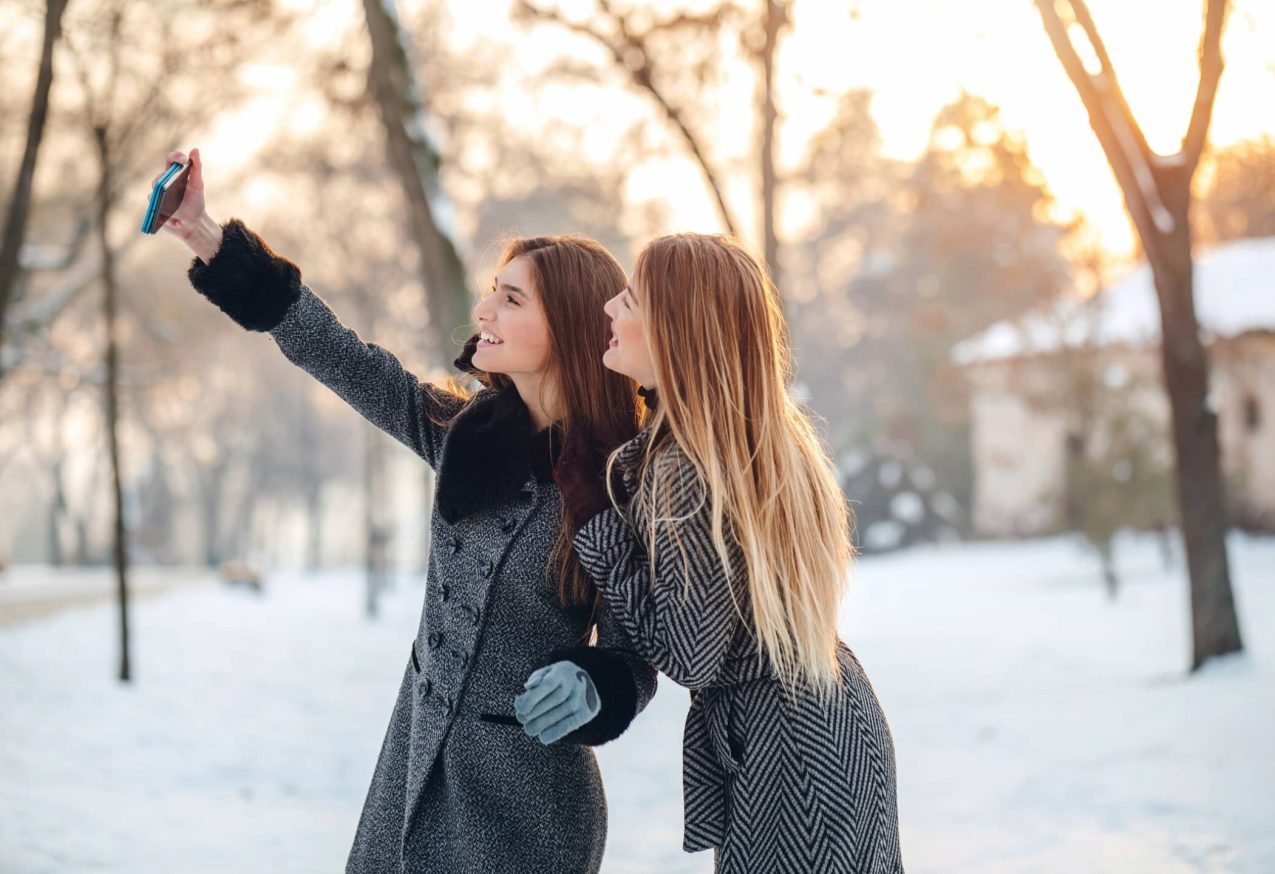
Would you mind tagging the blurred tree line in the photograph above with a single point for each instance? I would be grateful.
(227, 452)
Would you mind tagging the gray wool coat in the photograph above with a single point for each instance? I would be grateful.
(774, 785)
(459, 786)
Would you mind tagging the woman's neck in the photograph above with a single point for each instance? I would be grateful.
(541, 401)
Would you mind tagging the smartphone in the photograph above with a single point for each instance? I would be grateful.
(166, 196)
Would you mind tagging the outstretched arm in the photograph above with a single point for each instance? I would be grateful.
(263, 291)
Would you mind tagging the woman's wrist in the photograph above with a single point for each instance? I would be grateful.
(203, 236)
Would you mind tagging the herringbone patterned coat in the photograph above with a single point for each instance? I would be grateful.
(454, 790)
(773, 785)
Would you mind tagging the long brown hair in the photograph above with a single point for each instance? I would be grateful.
(719, 346)
(574, 276)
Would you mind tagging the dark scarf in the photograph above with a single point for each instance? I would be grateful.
(488, 453)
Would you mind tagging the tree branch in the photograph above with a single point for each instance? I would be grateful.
(629, 51)
(19, 208)
(1210, 72)
(1110, 117)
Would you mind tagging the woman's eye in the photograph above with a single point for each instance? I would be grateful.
(510, 298)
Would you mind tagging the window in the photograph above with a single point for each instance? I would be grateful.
(1252, 414)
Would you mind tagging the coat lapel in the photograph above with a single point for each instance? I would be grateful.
(489, 454)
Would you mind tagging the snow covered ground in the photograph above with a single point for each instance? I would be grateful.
(1039, 728)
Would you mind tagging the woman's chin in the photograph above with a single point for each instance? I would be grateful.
(610, 361)
(487, 362)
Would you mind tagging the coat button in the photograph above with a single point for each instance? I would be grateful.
(507, 524)
(426, 687)
(461, 658)
(473, 613)
(435, 640)
(488, 567)
(452, 546)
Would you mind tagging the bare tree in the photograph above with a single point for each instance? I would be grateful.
(132, 104)
(415, 159)
(20, 204)
(630, 47)
(1157, 193)
(110, 303)
(776, 18)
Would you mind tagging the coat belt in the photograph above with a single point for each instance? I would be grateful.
(708, 763)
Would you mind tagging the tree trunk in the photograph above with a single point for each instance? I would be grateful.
(776, 18)
(416, 161)
(374, 509)
(1164, 537)
(314, 524)
(1157, 193)
(20, 205)
(57, 512)
(110, 301)
(81, 528)
(1201, 492)
(210, 504)
(427, 500)
(243, 535)
(1110, 582)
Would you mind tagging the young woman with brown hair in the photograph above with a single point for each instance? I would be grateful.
(727, 564)
(459, 786)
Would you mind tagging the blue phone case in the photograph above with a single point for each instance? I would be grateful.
(157, 195)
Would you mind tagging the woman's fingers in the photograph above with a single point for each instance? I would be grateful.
(195, 181)
(541, 702)
(169, 160)
(534, 699)
(553, 725)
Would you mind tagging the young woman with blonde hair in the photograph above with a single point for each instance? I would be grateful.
(727, 563)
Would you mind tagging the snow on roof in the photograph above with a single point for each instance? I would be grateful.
(1234, 293)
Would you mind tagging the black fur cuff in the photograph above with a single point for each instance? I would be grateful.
(246, 280)
(613, 678)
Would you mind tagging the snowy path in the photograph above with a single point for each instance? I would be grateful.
(1039, 729)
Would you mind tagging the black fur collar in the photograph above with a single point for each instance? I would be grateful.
(488, 453)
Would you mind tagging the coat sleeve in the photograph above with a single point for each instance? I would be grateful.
(263, 291)
(624, 679)
(684, 618)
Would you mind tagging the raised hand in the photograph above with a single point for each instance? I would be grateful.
(192, 205)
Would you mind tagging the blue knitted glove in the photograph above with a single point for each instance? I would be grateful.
(558, 699)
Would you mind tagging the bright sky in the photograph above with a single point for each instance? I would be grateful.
(915, 55)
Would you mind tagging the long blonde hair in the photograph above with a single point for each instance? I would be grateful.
(719, 345)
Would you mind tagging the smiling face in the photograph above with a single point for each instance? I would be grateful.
(628, 352)
(515, 332)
